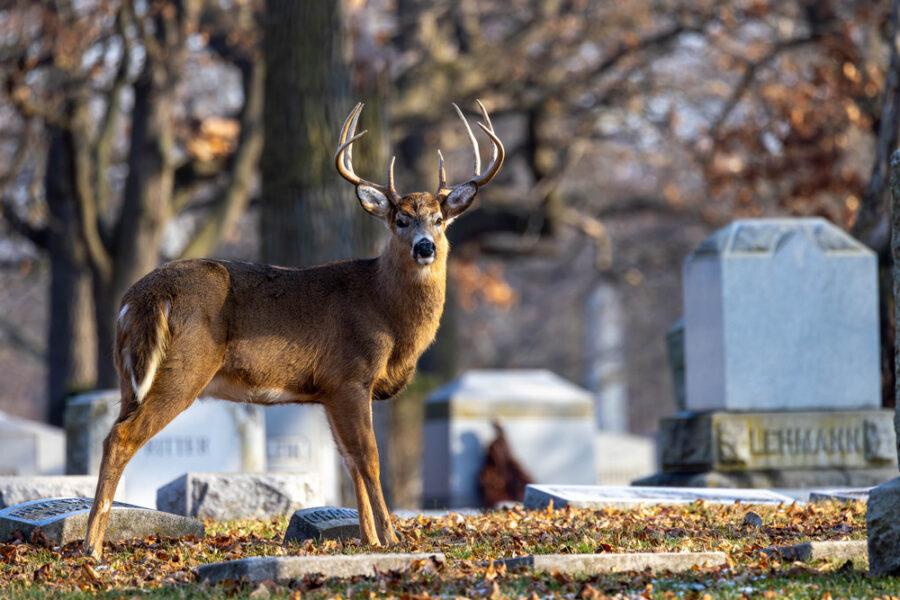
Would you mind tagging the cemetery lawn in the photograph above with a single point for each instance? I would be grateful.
(162, 568)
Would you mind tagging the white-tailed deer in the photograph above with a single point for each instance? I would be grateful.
(340, 334)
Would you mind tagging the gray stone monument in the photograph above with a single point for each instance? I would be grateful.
(64, 520)
(210, 436)
(323, 523)
(30, 448)
(781, 347)
(223, 496)
(25, 488)
(549, 424)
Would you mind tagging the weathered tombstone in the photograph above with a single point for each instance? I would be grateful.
(299, 440)
(222, 496)
(210, 436)
(604, 352)
(675, 353)
(597, 496)
(30, 448)
(782, 362)
(549, 424)
(64, 520)
(323, 523)
(23, 488)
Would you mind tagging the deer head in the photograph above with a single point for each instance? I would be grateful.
(419, 219)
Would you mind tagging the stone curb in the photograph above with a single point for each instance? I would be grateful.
(283, 568)
(597, 564)
(843, 550)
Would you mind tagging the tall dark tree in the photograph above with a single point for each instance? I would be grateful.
(309, 214)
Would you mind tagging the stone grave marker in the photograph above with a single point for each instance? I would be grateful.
(840, 495)
(64, 520)
(622, 457)
(210, 436)
(548, 421)
(223, 496)
(781, 314)
(285, 568)
(323, 523)
(596, 496)
(596, 564)
(30, 448)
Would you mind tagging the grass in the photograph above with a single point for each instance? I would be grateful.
(162, 568)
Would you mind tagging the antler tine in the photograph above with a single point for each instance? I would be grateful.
(442, 174)
(343, 158)
(348, 156)
(496, 161)
(487, 121)
(477, 161)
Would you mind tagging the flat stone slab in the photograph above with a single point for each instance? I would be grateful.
(285, 568)
(840, 550)
(840, 495)
(25, 488)
(223, 496)
(598, 496)
(323, 523)
(64, 520)
(598, 564)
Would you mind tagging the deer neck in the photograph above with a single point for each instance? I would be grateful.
(410, 293)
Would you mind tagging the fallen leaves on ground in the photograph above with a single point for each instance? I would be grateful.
(469, 543)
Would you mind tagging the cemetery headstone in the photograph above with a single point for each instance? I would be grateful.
(548, 422)
(596, 564)
(210, 436)
(224, 496)
(282, 569)
(30, 448)
(595, 496)
(299, 440)
(22, 488)
(621, 457)
(64, 520)
(323, 523)
(782, 363)
(675, 353)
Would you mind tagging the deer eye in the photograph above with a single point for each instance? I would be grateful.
(439, 221)
(401, 222)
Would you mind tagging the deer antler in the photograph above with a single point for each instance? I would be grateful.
(497, 153)
(343, 158)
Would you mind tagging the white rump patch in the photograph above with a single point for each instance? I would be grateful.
(156, 356)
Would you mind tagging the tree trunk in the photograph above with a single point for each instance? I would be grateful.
(72, 345)
(309, 213)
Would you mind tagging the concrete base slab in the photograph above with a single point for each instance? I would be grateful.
(285, 568)
(809, 551)
(598, 564)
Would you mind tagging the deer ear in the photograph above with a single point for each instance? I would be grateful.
(375, 202)
(459, 199)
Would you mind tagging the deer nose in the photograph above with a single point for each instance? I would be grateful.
(424, 248)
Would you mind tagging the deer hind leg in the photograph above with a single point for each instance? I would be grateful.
(179, 380)
(351, 421)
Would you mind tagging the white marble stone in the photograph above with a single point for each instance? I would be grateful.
(549, 424)
(299, 440)
(622, 458)
(210, 436)
(781, 314)
(30, 448)
(599, 496)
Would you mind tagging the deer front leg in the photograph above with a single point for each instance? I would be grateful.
(351, 421)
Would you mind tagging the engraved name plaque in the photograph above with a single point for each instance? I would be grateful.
(65, 519)
(323, 523)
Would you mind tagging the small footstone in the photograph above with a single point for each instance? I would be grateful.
(835, 550)
(323, 523)
(597, 564)
(64, 520)
(286, 568)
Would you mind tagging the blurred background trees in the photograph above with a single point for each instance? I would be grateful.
(131, 133)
